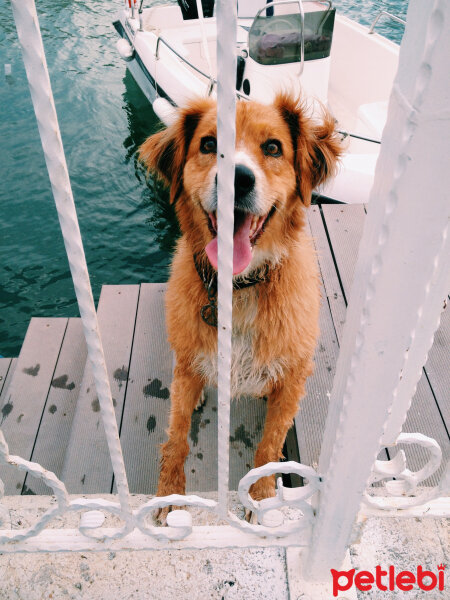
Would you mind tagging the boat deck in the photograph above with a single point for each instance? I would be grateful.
(50, 411)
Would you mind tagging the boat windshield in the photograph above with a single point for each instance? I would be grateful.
(276, 39)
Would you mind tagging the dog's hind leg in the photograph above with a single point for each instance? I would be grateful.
(185, 391)
(282, 406)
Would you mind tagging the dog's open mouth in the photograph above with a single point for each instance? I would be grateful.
(247, 229)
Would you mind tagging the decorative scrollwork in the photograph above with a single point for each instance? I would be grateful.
(179, 522)
(49, 479)
(270, 519)
(93, 517)
(403, 493)
(91, 521)
(405, 487)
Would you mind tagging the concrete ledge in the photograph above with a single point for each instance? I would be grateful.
(228, 574)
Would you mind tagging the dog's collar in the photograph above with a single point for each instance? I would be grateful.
(209, 278)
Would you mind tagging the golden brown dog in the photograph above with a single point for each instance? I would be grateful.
(281, 156)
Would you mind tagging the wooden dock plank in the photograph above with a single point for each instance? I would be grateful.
(311, 417)
(27, 393)
(87, 465)
(438, 363)
(423, 417)
(247, 418)
(54, 431)
(310, 420)
(142, 397)
(345, 225)
(146, 410)
(147, 406)
(332, 286)
(201, 462)
(7, 381)
(5, 364)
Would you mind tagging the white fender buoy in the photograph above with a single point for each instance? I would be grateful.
(164, 111)
(125, 49)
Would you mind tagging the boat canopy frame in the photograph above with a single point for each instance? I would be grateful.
(212, 80)
(269, 46)
(270, 5)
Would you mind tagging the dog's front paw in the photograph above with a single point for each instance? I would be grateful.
(201, 399)
(160, 515)
(167, 487)
(263, 488)
(251, 517)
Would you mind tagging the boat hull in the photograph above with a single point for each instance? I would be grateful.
(163, 71)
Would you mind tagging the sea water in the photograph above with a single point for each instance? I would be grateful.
(127, 225)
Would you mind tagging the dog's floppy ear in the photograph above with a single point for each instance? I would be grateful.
(317, 146)
(165, 152)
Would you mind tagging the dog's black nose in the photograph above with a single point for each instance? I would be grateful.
(244, 180)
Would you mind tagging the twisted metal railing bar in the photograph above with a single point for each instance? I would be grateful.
(391, 291)
(30, 39)
(226, 131)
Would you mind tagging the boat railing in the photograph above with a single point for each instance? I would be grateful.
(209, 77)
(141, 17)
(212, 80)
(385, 13)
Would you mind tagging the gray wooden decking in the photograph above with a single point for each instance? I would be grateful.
(50, 412)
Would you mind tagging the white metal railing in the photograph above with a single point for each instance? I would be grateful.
(226, 115)
(274, 3)
(211, 79)
(400, 280)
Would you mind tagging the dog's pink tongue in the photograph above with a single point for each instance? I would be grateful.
(242, 250)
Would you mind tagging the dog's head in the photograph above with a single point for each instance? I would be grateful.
(281, 156)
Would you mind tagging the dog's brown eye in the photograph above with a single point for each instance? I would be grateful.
(272, 148)
(208, 145)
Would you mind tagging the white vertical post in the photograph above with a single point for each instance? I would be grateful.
(401, 279)
(226, 130)
(28, 31)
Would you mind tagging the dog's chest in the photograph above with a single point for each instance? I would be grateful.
(248, 376)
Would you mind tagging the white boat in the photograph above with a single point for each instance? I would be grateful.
(297, 45)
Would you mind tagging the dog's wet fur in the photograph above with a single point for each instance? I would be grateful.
(282, 154)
